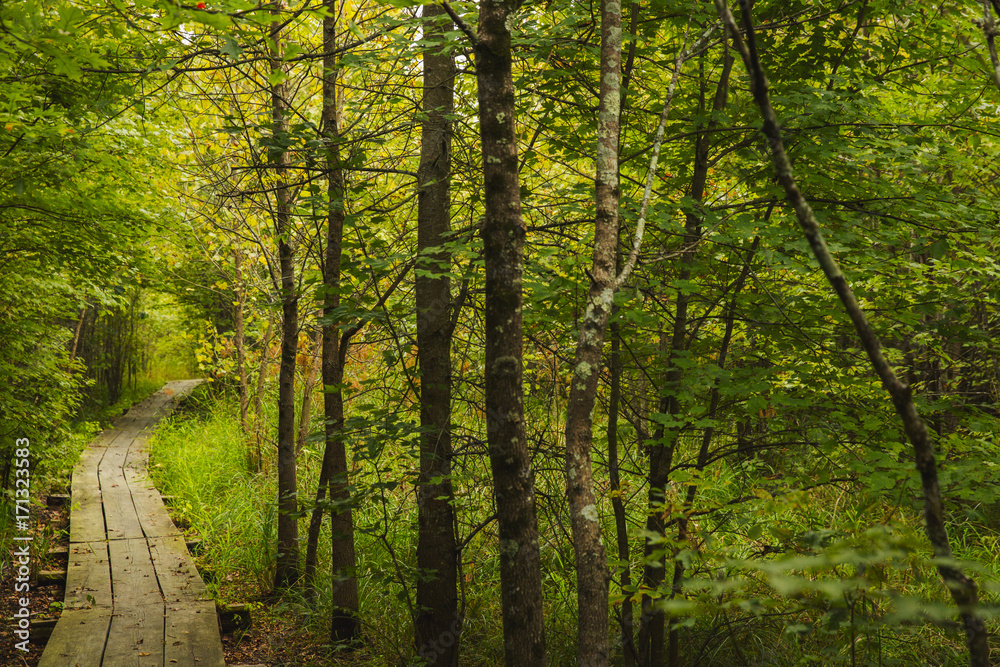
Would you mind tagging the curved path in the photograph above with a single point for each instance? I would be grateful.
(133, 595)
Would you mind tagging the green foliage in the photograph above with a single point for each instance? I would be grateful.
(134, 159)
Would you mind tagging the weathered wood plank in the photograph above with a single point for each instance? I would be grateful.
(136, 637)
(86, 521)
(88, 576)
(133, 577)
(149, 507)
(78, 638)
(192, 635)
(120, 518)
(178, 577)
(152, 515)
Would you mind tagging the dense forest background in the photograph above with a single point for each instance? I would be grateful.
(521, 349)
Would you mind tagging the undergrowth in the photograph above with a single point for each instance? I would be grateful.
(835, 575)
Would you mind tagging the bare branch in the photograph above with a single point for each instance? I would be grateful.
(640, 227)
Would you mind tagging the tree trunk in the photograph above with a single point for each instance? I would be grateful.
(591, 561)
(255, 457)
(693, 229)
(333, 482)
(650, 639)
(503, 239)
(241, 350)
(437, 625)
(76, 335)
(287, 569)
(308, 385)
(990, 31)
(617, 503)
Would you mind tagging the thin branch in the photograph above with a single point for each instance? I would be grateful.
(462, 25)
(640, 228)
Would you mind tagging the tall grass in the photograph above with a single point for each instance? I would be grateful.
(198, 458)
(851, 583)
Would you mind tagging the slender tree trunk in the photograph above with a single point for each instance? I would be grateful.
(255, 455)
(76, 336)
(591, 561)
(308, 385)
(617, 503)
(706, 440)
(693, 235)
(661, 454)
(503, 239)
(437, 625)
(990, 31)
(962, 587)
(287, 570)
(660, 459)
(241, 349)
(333, 482)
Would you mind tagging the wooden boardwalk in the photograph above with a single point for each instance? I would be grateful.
(133, 595)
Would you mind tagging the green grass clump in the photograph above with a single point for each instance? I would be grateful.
(199, 459)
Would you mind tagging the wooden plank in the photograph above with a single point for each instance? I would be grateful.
(88, 576)
(78, 638)
(136, 637)
(133, 577)
(86, 523)
(192, 635)
(149, 507)
(178, 577)
(192, 626)
(152, 515)
(86, 519)
(120, 518)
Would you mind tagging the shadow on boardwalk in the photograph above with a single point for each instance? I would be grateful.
(133, 595)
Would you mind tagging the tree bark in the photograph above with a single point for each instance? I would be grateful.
(437, 625)
(503, 238)
(333, 481)
(287, 570)
(591, 561)
(991, 32)
(255, 453)
(241, 347)
(76, 335)
(617, 503)
(960, 585)
(308, 385)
